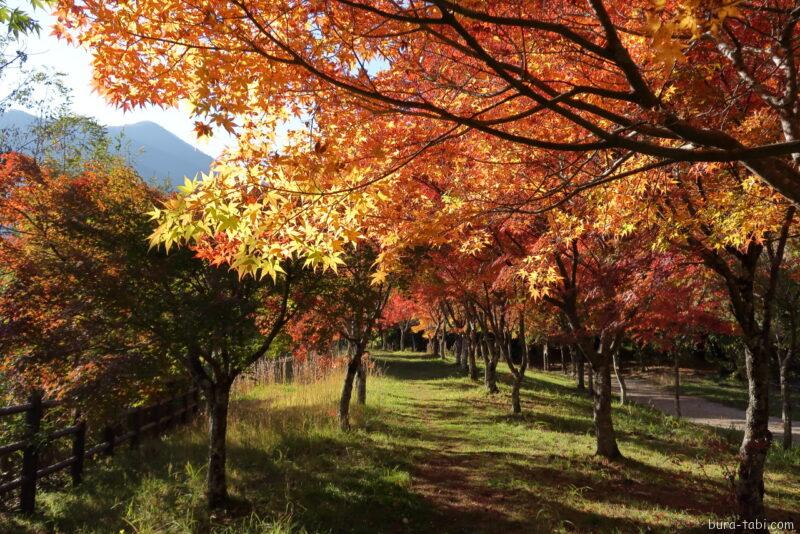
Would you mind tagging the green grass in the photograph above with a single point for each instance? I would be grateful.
(430, 453)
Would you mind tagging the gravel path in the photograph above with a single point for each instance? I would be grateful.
(699, 410)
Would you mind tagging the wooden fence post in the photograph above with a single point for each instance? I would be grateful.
(78, 449)
(109, 437)
(30, 455)
(135, 425)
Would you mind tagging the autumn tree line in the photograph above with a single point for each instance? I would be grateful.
(594, 174)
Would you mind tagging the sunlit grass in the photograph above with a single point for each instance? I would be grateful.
(431, 452)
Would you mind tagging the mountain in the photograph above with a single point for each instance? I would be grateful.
(155, 153)
(158, 153)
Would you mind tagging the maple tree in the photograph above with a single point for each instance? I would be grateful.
(584, 78)
(400, 312)
(592, 143)
(738, 230)
(92, 315)
(473, 282)
(67, 246)
(348, 305)
(599, 283)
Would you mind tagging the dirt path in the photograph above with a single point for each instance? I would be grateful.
(699, 410)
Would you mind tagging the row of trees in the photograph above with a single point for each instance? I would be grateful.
(597, 172)
(90, 312)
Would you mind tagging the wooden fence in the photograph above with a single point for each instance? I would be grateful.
(138, 422)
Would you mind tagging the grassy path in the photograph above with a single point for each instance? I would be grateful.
(432, 453)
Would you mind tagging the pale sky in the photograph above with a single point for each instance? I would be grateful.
(47, 51)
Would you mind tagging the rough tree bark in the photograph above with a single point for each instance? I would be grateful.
(601, 355)
(489, 368)
(757, 437)
(218, 397)
(517, 372)
(753, 308)
(347, 388)
(472, 364)
(361, 383)
(461, 347)
(599, 349)
(603, 423)
(573, 363)
(579, 361)
(590, 375)
(433, 343)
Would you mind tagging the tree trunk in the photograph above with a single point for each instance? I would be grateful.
(516, 405)
(471, 363)
(413, 342)
(489, 369)
(677, 372)
(347, 389)
(433, 345)
(580, 369)
(361, 383)
(623, 388)
(218, 397)
(402, 339)
(786, 403)
(757, 437)
(564, 369)
(545, 358)
(590, 374)
(603, 424)
(383, 339)
(573, 363)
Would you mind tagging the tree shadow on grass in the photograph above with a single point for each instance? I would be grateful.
(529, 493)
(416, 368)
(95, 505)
(327, 482)
(338, 485)
(424, 466)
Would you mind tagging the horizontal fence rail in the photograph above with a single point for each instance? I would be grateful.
(152, 419)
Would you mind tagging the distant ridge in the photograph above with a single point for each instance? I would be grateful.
(157, 154)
